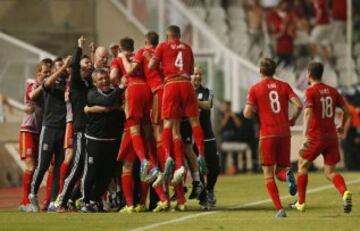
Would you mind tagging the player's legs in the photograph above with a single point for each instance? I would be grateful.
(167, 144)
(213, 164)
(302, 180)
(127, 181)
(68, 146)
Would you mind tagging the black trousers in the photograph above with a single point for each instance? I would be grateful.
(77, 167)
(100, 163)
(51, 143)
(212, 162)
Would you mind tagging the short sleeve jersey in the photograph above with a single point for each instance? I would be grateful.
(271, 99)
(323, 100)
(176, 58)
(153, 77)
(118, 63)
(32, 122)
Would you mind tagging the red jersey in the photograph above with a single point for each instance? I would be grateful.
(153, 77)
(321, 12)
(32, 122)
(136, 76)
(323, 100)
(176, 58)
(271, 98)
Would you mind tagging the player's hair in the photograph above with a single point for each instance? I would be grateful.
(85, 57)
(267, 67)
(58, 59)
(47, 61)
(228, 103)
(127, 44)
(316, 70)
(174, 30)
(99, 71)
(153, 38)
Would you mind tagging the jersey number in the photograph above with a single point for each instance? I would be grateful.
(179, 61)
(327, 107)
(274, 102)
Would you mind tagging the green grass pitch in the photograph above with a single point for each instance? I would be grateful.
(242, 205)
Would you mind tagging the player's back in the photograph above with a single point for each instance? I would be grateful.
(176, 58)
(323, 100)
(137, 75)
(271, 98)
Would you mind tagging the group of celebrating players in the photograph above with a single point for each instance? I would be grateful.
(109, 133)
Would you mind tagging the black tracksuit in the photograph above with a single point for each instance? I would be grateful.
(51, 136)
(79, 88)
(103, 132)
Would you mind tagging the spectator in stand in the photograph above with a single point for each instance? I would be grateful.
(319, 37)
(229, 124)
(254, 20)
(301, 24)
(339, 15)
(283, 31)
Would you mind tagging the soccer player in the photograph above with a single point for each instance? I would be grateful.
(137, 103)
(30, 129)
(270, 98)
(52, 132)
(103, 131)
(205, 98)
(320, 135)
(177, 62)
(79, 85)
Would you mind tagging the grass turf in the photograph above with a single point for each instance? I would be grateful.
(324, 211)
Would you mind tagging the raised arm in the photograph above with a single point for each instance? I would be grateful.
(49, 82)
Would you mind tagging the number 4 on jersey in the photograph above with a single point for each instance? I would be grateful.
(179, 61)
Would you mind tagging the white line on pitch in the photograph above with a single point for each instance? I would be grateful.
(192, 216)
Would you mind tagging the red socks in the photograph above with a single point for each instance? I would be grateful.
(339, 183)
(63, 173)
(160, 155)
(49, 182)
(128, 188)
(151, 148)
(167, 138)
(273, 192)
(161, 194)
(281, 174)
(26, 186)
(179, 153)
(138, 145)
(180, 195)
(199, 139)
(302, 181)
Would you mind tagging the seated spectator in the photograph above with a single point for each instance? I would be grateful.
(254, 21)
(339, 16)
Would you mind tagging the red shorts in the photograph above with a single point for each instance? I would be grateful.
(275, 151)
(68, 139)
(138, 99)
(179, 100)
(156, 106)
(28, 145)
(329, 149)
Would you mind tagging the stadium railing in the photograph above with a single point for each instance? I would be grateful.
(17, 61)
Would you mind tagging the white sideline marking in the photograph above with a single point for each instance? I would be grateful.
(188, 217)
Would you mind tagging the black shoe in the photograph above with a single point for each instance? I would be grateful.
(71, 207)
(211, 198)
(87, 208)
(197, 189)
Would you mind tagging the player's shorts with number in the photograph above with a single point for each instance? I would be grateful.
(138, 99)
(156, 106)
(179, 99)
(28, 145)
(275, 151)
(68, 140)
(328, 148)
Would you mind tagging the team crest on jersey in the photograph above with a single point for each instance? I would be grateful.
(45, 147)
(91, 160)
(28, 151)
(200, 96)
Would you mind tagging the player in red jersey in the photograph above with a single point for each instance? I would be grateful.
(30, 128)
(177, 62)
(320, 135)
(270, 99)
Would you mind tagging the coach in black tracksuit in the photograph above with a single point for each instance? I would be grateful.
(80, 83)
(52, 132)
(103, 131)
